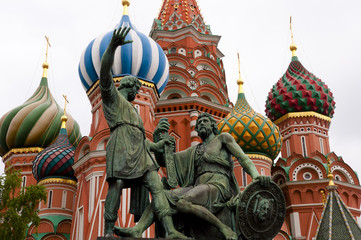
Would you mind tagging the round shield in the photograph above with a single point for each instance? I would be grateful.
(261, 211)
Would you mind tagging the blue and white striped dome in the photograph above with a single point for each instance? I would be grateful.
(143, 58)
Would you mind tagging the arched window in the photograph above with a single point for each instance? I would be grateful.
(63, 202)
(321, 146)
(173, 50)
(174, 96)
(304, 147)
(288, 149)
(50, 198)
(244, 176)
(23, 182)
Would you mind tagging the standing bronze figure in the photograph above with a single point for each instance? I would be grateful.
(128, 160)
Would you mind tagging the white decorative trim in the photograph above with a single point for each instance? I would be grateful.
(193, 123)
(194, 134)
(342, 169)
(305, 178)
(194, 114)
(306, 165)
(279, 172)
(87, 156)
(295, 224)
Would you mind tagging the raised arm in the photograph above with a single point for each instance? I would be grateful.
(118, 39)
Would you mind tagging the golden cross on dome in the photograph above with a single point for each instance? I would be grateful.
(47, 47)
(239, 80)
(45, 64)
(66, 101)
(293, 46)
(291, 29)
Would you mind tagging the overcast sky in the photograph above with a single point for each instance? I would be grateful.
(327, 33)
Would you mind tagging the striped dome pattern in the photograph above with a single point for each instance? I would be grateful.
(55, 160)
(36, 123)
(254, 133)
(298, 90)
(143, 58)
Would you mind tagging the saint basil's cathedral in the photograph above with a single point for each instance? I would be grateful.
(182, 75)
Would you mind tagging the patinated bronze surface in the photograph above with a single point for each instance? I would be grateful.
(128, 159)
(261, 211)
(207, 204)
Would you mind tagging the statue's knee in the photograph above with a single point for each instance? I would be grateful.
(183, 205)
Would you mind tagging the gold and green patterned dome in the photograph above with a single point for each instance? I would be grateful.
(35, 123)
(254, 133)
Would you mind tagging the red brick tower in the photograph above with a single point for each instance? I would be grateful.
(144, 59)
(302, 106)
(197, 80)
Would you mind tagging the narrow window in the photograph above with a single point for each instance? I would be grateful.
(303, 144)
(23, 183)
(80, 223)
(50, 198)
(321, 146)
(244, 175)
(288, 149)
(63, 203)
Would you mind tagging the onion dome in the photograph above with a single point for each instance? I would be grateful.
(143, 58)
(298, 90)
(254, 133)
(36, 122)
(57, 159)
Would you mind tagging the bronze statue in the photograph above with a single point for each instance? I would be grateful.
(128, 160)
(205, 176)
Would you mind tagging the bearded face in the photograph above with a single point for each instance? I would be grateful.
(204, 127)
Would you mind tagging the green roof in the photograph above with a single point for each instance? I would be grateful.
(337, 222)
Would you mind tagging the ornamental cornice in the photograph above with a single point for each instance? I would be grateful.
(259, 156)
(302, 114)
(194, 101)
(22, 151)
(57, 180)
(86, 157)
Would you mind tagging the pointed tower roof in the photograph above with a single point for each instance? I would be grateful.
(176, 14)
(337, 221)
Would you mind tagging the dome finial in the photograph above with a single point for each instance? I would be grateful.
(64, 118)
(126, 4)
(330, 175)
(293, 46)
(239, 80)
(46, 64)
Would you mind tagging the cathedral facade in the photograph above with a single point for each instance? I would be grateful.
(182, 75)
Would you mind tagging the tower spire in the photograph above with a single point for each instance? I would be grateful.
(64, 118)
(239, 80)
(46, 64)
(126, 4)
(293, 46)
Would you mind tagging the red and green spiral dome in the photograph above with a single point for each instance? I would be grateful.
(298, 90)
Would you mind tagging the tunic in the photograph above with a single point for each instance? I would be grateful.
(127, 156)
(197, 169)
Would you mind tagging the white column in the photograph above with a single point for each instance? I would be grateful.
(295, 224)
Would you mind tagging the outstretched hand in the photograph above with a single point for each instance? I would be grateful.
(119, 36)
